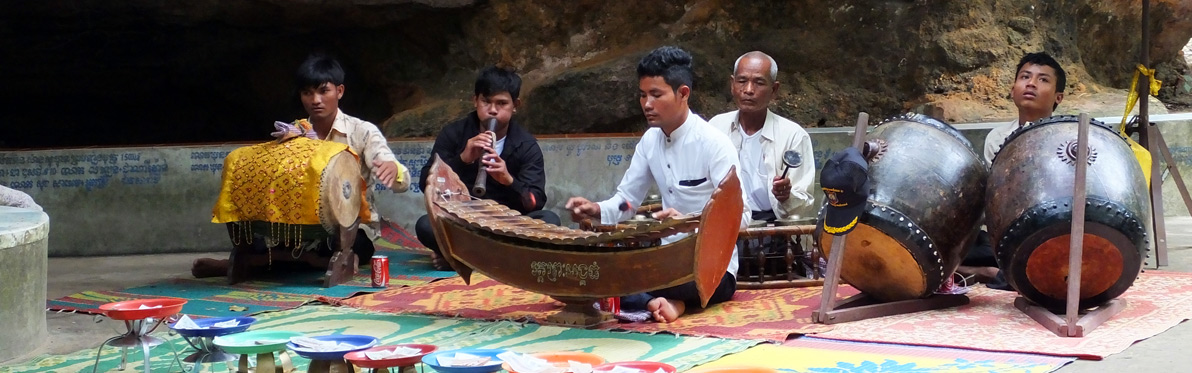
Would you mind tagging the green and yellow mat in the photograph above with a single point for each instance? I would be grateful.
(213, 297)
(815, 355)
(682, 352)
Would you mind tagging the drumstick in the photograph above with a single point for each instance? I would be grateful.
(478, 188)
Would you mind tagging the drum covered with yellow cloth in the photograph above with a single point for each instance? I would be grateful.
(295, 182)
(928, 189)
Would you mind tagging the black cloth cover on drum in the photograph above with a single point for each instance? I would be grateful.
(845, 181)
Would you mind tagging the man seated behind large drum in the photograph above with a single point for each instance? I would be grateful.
(510, 155)
(761, 137)
(681, 154)
(1037, 90)
(320, 84)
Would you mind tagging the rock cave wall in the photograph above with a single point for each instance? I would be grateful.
(93, 72)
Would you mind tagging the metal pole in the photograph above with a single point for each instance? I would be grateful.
(1152, 143)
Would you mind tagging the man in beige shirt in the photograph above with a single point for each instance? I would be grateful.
(761, 137)
(320, 81)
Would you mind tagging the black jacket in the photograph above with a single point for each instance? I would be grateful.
(523, 159)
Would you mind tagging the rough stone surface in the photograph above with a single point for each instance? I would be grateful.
(158, 200)
(23, 258)
(210, 70)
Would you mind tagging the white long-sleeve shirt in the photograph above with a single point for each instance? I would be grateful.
(777, 135)
(996, 138)
(686, 166)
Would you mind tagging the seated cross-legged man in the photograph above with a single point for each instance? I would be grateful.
(685, 158)
(761, 137)
(510, 156)
(1037, 91)
(320, 84)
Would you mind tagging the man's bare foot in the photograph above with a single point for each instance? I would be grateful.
(439, 263)
(209, 267)
(666, 310)
(983, 275)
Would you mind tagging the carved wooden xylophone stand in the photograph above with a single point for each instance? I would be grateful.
(579, 311)
(1073, 324)
(863, 306)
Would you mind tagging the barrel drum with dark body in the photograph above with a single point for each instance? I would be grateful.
(1029, 212)
(927, 194)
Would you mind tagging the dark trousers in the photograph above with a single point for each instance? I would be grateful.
(426, 235)
(766, 216)
(685, 292)
(362, 246)
(981, 255)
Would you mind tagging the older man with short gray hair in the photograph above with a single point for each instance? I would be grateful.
(761, 137)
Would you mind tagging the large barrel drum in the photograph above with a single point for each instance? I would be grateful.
(928, 191)
(296, 182)
(1029, 212)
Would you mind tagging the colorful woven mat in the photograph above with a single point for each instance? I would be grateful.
(212, 297)
(395, 238)
(769, 315)
(809, 354)
(1156, 302)
(681, 352)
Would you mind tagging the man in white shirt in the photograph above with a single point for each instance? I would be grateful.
(1038, 89)
(681, 154)
(761, 137)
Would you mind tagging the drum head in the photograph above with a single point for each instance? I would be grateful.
(1047, 266)
(878, 265)
(341, 191)
(1038, 269)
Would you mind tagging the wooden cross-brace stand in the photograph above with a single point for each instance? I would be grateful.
(862, 306)
(1150, 138)
(1074, 324)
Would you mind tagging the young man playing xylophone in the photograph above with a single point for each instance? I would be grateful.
(685, 157)
(510, 155)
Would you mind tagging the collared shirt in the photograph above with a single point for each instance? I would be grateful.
(753, 174)
(778, 135)
(686, 166)
(996, 138)
(367, 141)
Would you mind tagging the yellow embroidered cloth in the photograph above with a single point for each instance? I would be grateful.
(277, 182)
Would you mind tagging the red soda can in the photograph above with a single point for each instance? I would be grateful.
(380, 271)
(611, 305)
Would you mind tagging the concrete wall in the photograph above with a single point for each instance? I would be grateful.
(159, 199)
(23, 234)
